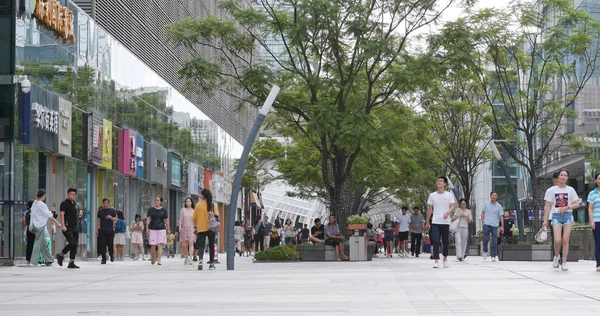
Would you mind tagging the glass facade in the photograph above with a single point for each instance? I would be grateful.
(99, 77)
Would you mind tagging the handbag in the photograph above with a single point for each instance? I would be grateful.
(541, 236)
(454, 225)
(213, 223)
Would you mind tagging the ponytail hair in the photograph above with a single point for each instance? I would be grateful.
(209, 200)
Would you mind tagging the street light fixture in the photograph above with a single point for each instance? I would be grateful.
(25, 84)
(511, 187)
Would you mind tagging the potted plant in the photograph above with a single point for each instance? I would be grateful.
(357, 222)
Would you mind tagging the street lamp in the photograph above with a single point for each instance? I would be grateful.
(511, 187)
(237, 182)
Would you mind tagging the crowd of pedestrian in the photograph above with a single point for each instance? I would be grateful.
(408, 235)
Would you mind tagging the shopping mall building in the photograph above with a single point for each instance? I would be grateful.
(100, 107)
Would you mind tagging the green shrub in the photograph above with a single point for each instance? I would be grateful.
(279, 253)
(357, 220)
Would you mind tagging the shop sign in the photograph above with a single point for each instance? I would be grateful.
(175, 170)
(193, 178)
(127, 162)
(97, 139)
(139, 156)
(44, 118)
(158, 172)
(107, 144)
(64, 128)
(57, 18)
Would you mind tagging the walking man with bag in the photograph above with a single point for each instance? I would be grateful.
(68, 220)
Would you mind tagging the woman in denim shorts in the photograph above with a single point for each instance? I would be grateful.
(560, 200)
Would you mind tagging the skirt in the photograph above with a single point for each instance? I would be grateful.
(137, 238)
(187, 234)
(82, 239)
(120, 239)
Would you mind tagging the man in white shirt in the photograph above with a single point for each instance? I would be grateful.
(439, 206)
(402, 221)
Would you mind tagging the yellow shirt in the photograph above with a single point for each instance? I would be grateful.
(170, 239)
(201, 218)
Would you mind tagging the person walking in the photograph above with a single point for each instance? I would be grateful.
(137, 237)
(68, 220)
(30, 235)
(187, 237)
(464, 217)
(560, 200)
(105, 231)
(248, 234)
(82, 229)
(417, 226)
(491, 216)
(288, 232)
(594, 214)
(201, 219)
(238, 232)
(262, 237)
(439, 206)
(157, 228)
(403, 221)
(40, 214)
(388, 228)
(120, 236)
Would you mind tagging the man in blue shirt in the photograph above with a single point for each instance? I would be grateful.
(490, 217)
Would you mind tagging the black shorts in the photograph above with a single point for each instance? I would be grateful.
(402, 236)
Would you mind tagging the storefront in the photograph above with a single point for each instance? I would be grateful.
(82, 111)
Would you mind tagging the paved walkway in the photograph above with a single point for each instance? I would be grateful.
(384, 286)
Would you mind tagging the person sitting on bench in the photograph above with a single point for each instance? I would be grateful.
(333, 237)
(317, 232)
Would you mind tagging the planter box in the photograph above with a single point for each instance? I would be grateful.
(473, 250)
(525, 253)
(357, 226)
(325, 253)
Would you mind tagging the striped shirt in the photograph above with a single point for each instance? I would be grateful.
(594, 198)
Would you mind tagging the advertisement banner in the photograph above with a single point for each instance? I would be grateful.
(95, 138)
(158, 169)
(107, 144)
(42, 118)
(64, 130)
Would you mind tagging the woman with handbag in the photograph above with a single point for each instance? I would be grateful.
(40, 214)
(460, 226)
(205, 220)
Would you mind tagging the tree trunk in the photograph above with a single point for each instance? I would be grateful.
(340, 202)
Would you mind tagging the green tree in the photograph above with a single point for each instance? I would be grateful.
(265, 154)
(339, 62)
(531, 61)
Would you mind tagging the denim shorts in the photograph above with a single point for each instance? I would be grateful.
(562, 220)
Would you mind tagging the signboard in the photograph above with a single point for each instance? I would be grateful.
(127, 160)
(174, 170)
(39, 119)
(158, 168)
(95, 139)
(139, 156)
(64, 127)
(55, 17)
(107, 144)
(193, 178)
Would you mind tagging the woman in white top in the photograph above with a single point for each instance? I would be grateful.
(560, 200)
(288, 232)
(137, 239)
(187, 235)
(40, 214)
(464, 217)
(238, 231)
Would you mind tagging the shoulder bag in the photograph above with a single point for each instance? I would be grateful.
(213, 223)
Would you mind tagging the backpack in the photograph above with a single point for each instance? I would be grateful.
(120, 227)
(274, 234)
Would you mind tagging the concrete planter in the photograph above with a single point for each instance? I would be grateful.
(534, 253)
(325, 253)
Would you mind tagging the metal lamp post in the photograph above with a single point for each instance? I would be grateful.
(237, 183)
(509, 181)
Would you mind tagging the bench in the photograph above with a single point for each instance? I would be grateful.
(322, 252)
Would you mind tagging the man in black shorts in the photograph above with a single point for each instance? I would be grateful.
(403, 221)
(68, 220)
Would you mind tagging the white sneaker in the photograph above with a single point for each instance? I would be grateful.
(436, 265)
(564, 266)
(484, 255)
(186, 262)
(493, 259)
(446, 265)
(555, 262)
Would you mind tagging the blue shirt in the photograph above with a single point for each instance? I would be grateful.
(594, 198)
(493, 212)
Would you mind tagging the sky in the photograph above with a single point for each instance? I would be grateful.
(455, 11)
